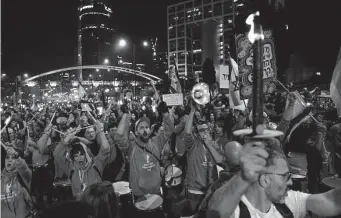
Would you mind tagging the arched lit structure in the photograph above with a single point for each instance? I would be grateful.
(144, 75)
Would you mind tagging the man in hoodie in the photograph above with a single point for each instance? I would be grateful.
(145, 152)
(15, 183)
(84, 170)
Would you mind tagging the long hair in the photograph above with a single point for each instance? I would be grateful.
(102, 198)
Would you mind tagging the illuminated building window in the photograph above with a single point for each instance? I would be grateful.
(228, 22)
(197, 59)
(189, 15)
(181, 58)
(172, 32)
(189, 58)
(217, 9)
(172, 19)
(182, 69)
(181, 17)
(189, 69)
(181, 44)
(208, 11)
(172, 45)
(181, 31)
(197, 13)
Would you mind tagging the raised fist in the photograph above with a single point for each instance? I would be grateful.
(252, 160)
(291, 98)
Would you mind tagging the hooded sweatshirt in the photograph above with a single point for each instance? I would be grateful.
(82, 178)
(144, 174)
(16, 201)
(201, 167)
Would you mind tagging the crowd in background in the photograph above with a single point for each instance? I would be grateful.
(57, 152)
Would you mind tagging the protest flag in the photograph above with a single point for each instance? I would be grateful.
(335, 85)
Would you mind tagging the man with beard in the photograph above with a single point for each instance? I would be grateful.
(261, 188)
(145, 152)
(83, 169)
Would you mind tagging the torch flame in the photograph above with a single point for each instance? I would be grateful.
(252, 35)
(8, 120)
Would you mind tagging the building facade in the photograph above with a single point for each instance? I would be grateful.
(200, 29)
(95, 35)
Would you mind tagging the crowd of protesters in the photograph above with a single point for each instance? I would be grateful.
(136, 159)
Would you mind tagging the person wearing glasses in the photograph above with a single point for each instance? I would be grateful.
(261, 188)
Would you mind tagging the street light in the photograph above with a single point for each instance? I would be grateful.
(3, 75)
(106, 61)
(122, 43)
(97, 70)
(145, 43)
(25, 75)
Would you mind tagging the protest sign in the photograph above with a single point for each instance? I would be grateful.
(224, 77)
(245, 63)
(173, 99)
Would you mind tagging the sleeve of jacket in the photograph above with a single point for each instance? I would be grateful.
(24, 171)
(168, 130)
(283, 126)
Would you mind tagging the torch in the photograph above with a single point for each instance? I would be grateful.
(256, 37)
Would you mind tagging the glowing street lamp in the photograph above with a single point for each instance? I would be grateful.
(145, 43)
(97, 70)
(25, 75)
(106, 61)
(122, 43)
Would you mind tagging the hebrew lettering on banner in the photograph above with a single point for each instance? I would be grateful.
(245, 63)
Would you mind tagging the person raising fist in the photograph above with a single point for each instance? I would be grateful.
(261, 188)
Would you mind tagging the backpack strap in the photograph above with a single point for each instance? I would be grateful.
(97, 170)
(22, 183)
(244, 212)
(284, 210)
(71, 173)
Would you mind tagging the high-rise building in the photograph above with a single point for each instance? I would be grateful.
(198, 29)
(95, 35)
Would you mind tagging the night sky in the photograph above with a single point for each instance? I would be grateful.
(41, 35)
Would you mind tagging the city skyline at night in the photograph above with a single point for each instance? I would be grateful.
(37, 41)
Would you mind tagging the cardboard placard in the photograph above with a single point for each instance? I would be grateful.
(245, 63)
(173, 99)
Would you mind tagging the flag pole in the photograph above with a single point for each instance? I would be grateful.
(257, 86)
(287, 90)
